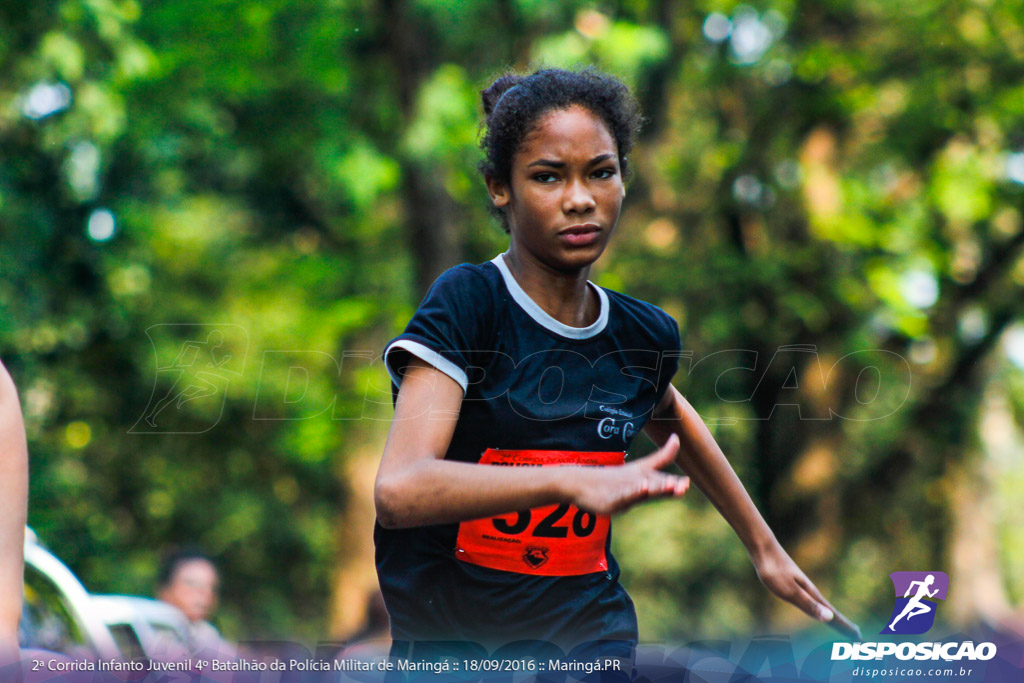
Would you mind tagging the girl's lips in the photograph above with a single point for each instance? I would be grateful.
(580, 235)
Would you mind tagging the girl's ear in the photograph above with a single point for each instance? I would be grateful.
(499, 192)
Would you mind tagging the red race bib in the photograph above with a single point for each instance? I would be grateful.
(553, 540)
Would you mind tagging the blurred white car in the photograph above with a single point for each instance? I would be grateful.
(143, 627)
(57, 613)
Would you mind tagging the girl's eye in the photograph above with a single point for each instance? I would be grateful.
(545, 177)
(604, 173)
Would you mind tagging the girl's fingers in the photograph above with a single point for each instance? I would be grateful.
(839, 621)
(808, 604)
(667, 485)
(816, 594)
(682, 486)
(661, 457)
(632, 496)
(808, 586)
(653, 483)
(846, 627)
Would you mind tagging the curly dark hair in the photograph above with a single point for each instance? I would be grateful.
(514, 103)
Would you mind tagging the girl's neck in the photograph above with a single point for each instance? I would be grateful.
(564, 296)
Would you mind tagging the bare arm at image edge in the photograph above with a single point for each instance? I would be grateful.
(14, 493)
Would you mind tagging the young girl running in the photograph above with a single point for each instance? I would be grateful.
(519, 386)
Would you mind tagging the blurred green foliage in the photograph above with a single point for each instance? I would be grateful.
(846, 175)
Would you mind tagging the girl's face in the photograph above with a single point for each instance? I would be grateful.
(565, 190)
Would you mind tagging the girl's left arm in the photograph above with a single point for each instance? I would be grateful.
(14, 493)
(702, 459)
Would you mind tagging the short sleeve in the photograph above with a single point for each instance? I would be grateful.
(671, 350)
(447, 329)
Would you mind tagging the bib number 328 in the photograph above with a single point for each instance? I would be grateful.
(552, 540)
(583, 523)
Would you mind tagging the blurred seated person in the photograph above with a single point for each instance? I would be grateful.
(189, 581)
(14, 494)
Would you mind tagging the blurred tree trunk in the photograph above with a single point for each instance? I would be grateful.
(976, 582)
(434, 241)
(356, 577)
(431, 216)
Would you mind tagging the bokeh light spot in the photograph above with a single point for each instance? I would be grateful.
(101, 225)
(78, 434)
(919, 288)
(44, 99)
(717, 27)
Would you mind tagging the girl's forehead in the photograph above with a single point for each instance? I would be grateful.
(574, 130)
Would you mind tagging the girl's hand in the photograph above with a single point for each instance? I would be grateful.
(779, 573)
(608, 490)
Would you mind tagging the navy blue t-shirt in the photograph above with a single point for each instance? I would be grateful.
(531, 383)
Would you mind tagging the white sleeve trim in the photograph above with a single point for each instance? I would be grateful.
(427, 355)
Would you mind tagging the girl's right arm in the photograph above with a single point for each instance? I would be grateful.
(14, 493)
(416, 485)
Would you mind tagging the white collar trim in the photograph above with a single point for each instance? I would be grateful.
(542, 317)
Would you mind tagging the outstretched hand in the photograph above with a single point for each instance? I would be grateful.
(608, 490)
(779, 573)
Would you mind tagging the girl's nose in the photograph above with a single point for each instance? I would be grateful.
(577, 198)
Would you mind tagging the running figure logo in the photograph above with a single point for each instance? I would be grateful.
(914, 612)
(198, 373)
